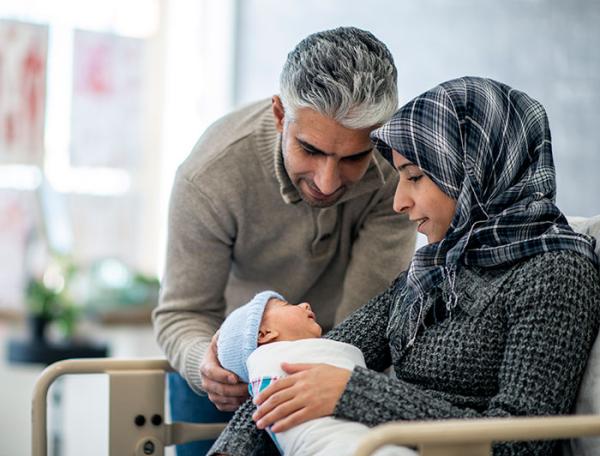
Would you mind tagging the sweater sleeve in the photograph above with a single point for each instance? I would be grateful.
(383, 246)
(192, 302)
(550, 329)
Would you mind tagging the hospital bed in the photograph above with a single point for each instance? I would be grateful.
(137, 424)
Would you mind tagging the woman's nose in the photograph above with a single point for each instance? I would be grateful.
(402, 201)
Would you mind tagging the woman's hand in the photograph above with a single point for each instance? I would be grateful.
(310, 391)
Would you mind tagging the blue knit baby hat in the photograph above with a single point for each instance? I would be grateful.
(238, 336)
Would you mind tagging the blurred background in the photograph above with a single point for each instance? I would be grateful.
(101, 100)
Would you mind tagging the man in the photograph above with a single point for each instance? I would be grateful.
(287, 195)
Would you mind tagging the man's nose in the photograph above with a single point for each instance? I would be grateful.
(327, 178)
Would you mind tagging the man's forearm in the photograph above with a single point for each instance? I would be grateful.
(198, 260)
(184, 338)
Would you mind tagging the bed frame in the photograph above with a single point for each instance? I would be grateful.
(137, 423)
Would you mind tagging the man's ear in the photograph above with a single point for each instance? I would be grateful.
(266, 335)
(278, 112)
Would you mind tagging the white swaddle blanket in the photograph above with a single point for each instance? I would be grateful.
(322, 436)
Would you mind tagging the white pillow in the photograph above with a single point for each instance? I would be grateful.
(589, 226)
(588, 398)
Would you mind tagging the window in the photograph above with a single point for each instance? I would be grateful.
(130, 86)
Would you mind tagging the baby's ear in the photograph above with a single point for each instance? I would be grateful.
(266, 335)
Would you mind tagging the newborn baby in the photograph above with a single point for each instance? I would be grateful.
(253, 342)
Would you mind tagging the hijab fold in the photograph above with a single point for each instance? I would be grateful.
(487, 146)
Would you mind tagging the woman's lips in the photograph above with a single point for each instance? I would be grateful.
(420, 223)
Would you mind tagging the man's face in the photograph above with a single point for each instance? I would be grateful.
(322, 158)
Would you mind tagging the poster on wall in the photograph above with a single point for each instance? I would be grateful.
(23, 57)
(17, 229)
(106, 114)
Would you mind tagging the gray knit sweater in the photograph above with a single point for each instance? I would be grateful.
(517, 344)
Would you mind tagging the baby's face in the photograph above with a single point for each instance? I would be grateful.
(284, 321)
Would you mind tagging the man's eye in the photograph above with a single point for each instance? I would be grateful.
(354, 158)
(415, 178)
(310, 152)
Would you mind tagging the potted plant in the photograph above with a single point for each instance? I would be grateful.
(48, 301)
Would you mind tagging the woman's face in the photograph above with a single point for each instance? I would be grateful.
(422, 200)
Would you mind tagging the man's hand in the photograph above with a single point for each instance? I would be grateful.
(223, 387)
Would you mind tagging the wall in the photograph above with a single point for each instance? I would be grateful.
(547, 48)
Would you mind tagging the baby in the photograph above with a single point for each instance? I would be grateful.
(253, 342)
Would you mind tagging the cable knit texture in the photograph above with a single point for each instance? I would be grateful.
(516, 345)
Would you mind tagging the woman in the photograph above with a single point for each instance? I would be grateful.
(495, 316)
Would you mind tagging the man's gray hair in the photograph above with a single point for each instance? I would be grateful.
(345, 74)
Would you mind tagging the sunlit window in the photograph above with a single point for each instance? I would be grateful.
(104, 100)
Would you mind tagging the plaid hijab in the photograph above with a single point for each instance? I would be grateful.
(488, 147)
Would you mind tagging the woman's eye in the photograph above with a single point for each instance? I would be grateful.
(415, 178)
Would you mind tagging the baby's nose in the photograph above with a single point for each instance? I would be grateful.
(305, 305)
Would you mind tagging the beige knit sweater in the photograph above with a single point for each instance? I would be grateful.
(237, 226)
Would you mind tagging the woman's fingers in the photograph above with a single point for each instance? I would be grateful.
(279, 412)
(297, 417)
(285, 382)
(274, 401)
(290, 368)
(291, 400)
(281, 384)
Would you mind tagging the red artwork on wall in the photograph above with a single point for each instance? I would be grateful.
(23, 55)
(107, 110)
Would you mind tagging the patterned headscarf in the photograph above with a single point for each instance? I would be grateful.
(487, 146)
